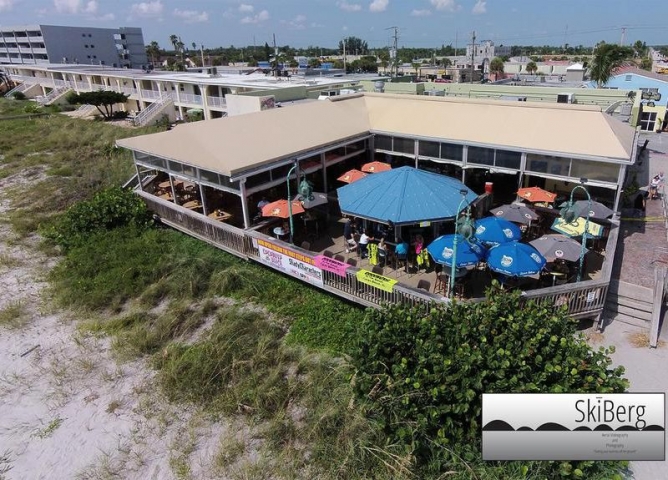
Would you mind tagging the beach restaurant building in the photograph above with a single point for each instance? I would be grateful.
(493, 147)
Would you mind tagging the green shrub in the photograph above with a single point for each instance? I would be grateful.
(72, 98)
(107, 210)
(425, 370)
(31, 108)
(19, 96)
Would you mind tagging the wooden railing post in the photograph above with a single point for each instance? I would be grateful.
(657, 305)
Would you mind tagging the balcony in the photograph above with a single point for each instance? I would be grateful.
(190, 98)
(216, 101)
(150, 94)
(39, 39)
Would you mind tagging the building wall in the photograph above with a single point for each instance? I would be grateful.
(64, 44)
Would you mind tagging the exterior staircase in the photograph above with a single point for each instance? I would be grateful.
(84, 111)
(53, 95)
(151, 112)
(628, 303)
(21, 87)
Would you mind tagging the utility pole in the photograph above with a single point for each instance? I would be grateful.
(201, 49)
(275, 57)
(472, 54)
(623, 40)
(456, 39)
(345, 70)
(393, 52)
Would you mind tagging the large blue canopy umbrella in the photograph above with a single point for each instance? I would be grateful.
(496, 230)
(404, 195)
(468, 253)
(515, 259)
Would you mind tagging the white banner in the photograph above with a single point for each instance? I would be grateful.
(288, 261)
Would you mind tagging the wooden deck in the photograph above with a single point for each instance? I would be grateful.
(585, 299)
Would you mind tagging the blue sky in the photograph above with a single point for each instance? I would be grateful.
(422, 23)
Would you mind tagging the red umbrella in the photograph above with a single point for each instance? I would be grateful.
(536, 194)
(351, 176)
(280, 208)
(375, 167)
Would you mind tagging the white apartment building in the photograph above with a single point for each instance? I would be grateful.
(486, 49)
(51, 44)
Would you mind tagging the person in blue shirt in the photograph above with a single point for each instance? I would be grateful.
(401, 248)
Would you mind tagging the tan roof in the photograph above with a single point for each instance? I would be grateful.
(563, 129)
(235, 144)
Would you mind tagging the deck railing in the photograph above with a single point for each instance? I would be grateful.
(583, 299)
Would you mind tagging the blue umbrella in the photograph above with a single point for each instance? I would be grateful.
(468, 253)
(515, 259)
(496, 230)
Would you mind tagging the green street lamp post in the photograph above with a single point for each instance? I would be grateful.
(466, 231)
(570, 214)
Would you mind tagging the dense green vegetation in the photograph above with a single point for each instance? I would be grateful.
(295, 364)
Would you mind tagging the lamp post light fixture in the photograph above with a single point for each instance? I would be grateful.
(466, 231)
(570, 214)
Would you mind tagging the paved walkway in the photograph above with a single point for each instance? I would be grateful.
(643, 243)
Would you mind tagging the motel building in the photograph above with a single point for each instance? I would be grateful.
(206, 179)
(214, 92)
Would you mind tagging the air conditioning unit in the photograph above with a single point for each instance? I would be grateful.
(565, 98)
(212, 71)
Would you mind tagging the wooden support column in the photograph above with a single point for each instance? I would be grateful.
(657, 305)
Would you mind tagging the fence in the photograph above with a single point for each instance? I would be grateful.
(583, 299)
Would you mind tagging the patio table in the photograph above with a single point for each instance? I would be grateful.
(220, 215)
(192, 205)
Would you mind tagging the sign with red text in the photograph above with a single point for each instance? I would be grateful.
(290, 262)
(331, 265)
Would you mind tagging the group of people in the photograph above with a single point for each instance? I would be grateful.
(654, 184)
(380, 251)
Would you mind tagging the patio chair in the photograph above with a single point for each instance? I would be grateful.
(398, 260)
(328, 254)
(424, 285)
(306, 245)
(352, 262)
(441, 283)
(377, 269)
(340, 258)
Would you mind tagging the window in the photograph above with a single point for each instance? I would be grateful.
(94, 56)
(450, 151)
(404, 145)
(89, 35)
(548, 164)
(481, 156)
(429, 149)
(628, 78)
(648, 121)
(507, 159)
(83, 34)
(92, 46)
(85, 46)
(604, 172)
(383, 142)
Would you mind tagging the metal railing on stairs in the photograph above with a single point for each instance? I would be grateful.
(22, 87)
(52, 95)
(154, 109)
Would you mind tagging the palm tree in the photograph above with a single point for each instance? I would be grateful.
(496, 67)
(416, 67)
(607, 58)
(6, 83)
(531, 67)
(153, 51)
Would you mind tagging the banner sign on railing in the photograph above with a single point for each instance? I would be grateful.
(331, 265)
(373, 279)
(288, 261)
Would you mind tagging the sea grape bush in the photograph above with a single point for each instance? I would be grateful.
(108, 209)
(423, 370)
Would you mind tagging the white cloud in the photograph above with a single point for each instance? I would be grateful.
(421, 13)
(316, 25)
(259, 18)
(447, 5)
(147, 9)
(72, 6)
(6, 5)
(378, 5)
(479, 8)
(345, 28)
(191, 16)
(107, 17)
(244, 8)
(349, 7)
(296, 23)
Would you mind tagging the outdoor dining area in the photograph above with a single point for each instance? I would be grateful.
(426, 230)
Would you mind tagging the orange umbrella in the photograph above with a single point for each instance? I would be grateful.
(280, 208)
(351, 176)
(536, 194)
(376, 167)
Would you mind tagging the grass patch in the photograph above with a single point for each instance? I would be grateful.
(50, 428)
(13, 315)
(9, 261)
(641, 340)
